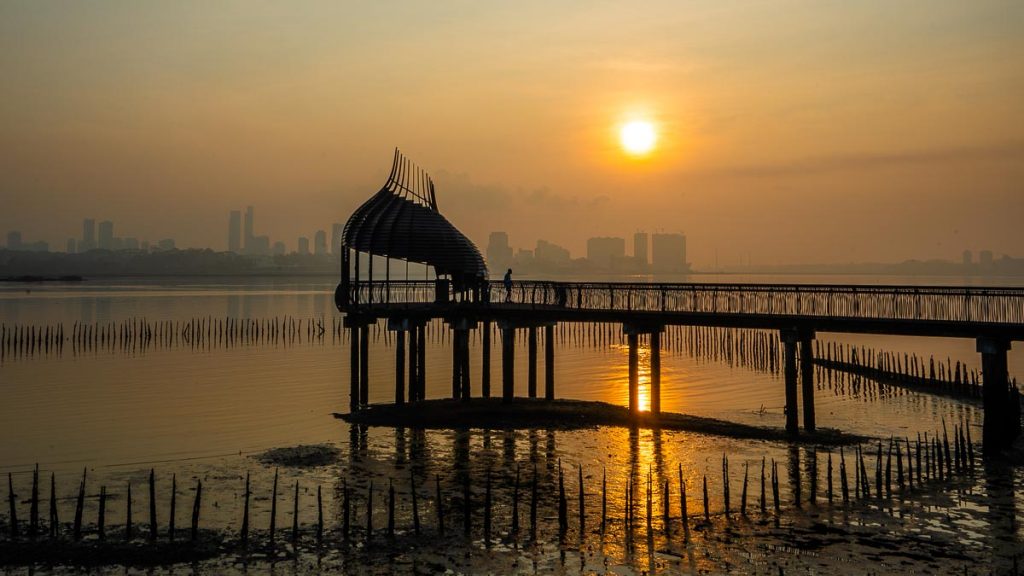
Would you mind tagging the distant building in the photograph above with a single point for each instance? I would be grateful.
(129, 243)
(605, 251)
(71, 246)
(235, 231)
(106, 239)
(303, 246)
(320, 243)
(165, 244)
(337, 231)
(144, 245)
(259, 246)
(968, 258)
(640, 248)
(499, 253)
(14, 240)
(668, 253)
(248, 238)
(88, 235)
(985, 258)
(279, 248)
(548, 253)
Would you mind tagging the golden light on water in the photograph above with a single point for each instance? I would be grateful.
(643, 374)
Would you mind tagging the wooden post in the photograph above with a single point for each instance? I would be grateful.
(245, 513)
(743, 496)
(485, 360)
(320, 517)
(707, 512)
(656, 371)
(153, 505)
(174, 502)
(604, 498)
(508, 352)
(33, 515)
(101, 521)
(295, 514)
(683, 513)
(829, 480)
(549, 362)
(761, 500)
(54, 520)
(531, 362)
(273, 509)
(634, 376)
(581, 502)
(79, 506)
(196, 506)
(563, 521)
(128, 515)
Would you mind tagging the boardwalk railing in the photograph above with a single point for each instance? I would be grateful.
(957, 304)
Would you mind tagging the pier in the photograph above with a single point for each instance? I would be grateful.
(401, 224)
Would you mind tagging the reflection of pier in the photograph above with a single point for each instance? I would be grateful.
(401, 223)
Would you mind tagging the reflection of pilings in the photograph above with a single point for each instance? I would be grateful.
(485, 361)
(508, 351)
(634, 379)
(531, 362)
(789, 339)
(549, 362)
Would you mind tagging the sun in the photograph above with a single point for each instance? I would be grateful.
(638, 137)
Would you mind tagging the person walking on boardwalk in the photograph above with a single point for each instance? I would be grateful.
(508, 285)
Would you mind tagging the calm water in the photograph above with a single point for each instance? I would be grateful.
(202, 413)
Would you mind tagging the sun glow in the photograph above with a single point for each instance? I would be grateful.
(638, 137)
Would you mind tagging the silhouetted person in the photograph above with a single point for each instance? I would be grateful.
(508, 285)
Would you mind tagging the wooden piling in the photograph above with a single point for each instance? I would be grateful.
(707, 511)
(844, 484)
(33, 515)
(320, 516)
(743, 494)
(101, 519)
(683, 514)
(828, 487)
(295, 514)
(152, 505)
(79, 506)
(54, 519)
(761, 501)
(128, 514)
(196, 507)
(273, 509)
(174, 496)
(725, 484)
(245, 513)
(775, 487)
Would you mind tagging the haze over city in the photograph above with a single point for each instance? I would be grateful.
(782, 132)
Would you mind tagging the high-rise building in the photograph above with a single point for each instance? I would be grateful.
(968, 258)
(14, 240)
(499, 253)
(106, 239)
(605, 251)
(668, 253)
(337, 231)
(303, 246)
(320, 243)
(235, 231)
(247, 246)
(88, 235)
(640, 248)
(549, 253)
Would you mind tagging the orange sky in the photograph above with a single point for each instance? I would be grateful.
(788, 131)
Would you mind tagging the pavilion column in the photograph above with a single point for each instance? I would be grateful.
(485, 360)
(508, 352)
(364, 365)
(634, 373)
(789, 340)
(656, 371)
(549, 362)
(531, 359)
(400, 367)
(807, 378)
(353, 338)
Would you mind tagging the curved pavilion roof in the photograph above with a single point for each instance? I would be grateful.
(402, 221)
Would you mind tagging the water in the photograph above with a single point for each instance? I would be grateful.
(203, 413)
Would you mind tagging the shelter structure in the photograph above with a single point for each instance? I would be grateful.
(401, 222)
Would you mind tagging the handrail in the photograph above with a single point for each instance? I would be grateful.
(936, 303)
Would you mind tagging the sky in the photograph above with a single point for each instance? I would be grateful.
(788, 131)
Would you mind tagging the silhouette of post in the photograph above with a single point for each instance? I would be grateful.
(354, 364)
(485, 360)
(399, 366)
(364, 364)
(656, 371)
(1001, 425)
(549, 362)
(532, 362)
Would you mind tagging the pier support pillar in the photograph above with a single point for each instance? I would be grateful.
(508, 352)
(789, 339)
(414, 395)
(549, 362)
(656, 372)
(400, 367)
(634, 373)
(364, 365)
(457, 364)
(485, 360)
(421, 362)
(807, 378)
(531, 359)
(1001, 403)
(353, 392)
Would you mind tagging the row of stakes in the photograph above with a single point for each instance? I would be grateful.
(933, 459)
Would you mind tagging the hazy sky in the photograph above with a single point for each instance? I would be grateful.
(789, 131)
